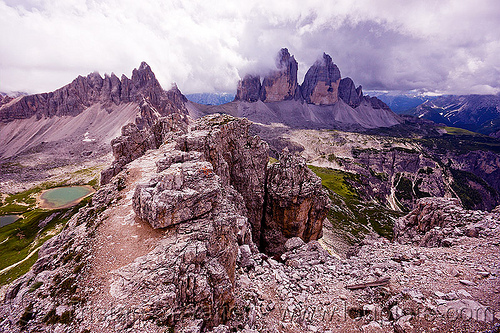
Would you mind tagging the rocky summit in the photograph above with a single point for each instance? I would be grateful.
(323, 100)
(321, 83)
(83, 92)
(281, 85)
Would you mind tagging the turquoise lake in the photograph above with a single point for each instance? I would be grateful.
(64, 196)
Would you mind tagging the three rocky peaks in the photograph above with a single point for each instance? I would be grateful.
(322, 85)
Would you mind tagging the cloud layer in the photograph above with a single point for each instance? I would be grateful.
(447, 46)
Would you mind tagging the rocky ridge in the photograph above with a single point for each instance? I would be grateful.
(478, 113)
(83, 92)
(206, 215)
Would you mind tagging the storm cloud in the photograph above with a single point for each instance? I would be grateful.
(206, 46)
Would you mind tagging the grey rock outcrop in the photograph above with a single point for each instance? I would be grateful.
(248, 89)
(296, 204)
(281, 85)
(348, 92)
(134, 142)
(182, 192)
(238, 159)
(196, 277)
(321, 83)
(441, 222)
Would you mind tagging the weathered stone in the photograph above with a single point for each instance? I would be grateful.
(321, 83)
(281, 84)
(248, 89)
(348, 92)
(403, 325)
(246, 256)
(293, 243)
(182, 192)
(296, 204)
(238, 159)
(436, 222)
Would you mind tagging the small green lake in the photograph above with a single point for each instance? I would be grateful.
(62, 197)
(8, 219)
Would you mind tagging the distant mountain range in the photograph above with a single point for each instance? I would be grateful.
(211, 98)
(477, 113)
(401, 102)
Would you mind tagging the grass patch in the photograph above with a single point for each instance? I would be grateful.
(20, 238)
(336, 181)
(459, 131)
(18, 271)
(35, 286)
(272, 160)
(351, 217)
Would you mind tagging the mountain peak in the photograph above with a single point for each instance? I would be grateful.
(281, 84)
(144, 67)
(321, 83)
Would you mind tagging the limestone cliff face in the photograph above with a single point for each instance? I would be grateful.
(281, 85)
(348, 92)
(84, 92)
(248, 89)
(321, 83)
(296, 204)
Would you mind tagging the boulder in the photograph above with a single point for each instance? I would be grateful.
(183, 192)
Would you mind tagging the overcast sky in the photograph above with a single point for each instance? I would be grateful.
(443, 46)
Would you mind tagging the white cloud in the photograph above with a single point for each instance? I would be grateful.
(446, 46)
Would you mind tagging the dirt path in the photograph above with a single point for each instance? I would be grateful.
(121, 239)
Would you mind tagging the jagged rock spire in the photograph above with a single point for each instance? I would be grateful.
(321, 82)
(348, 92)
(248, 89)
(281, 84)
